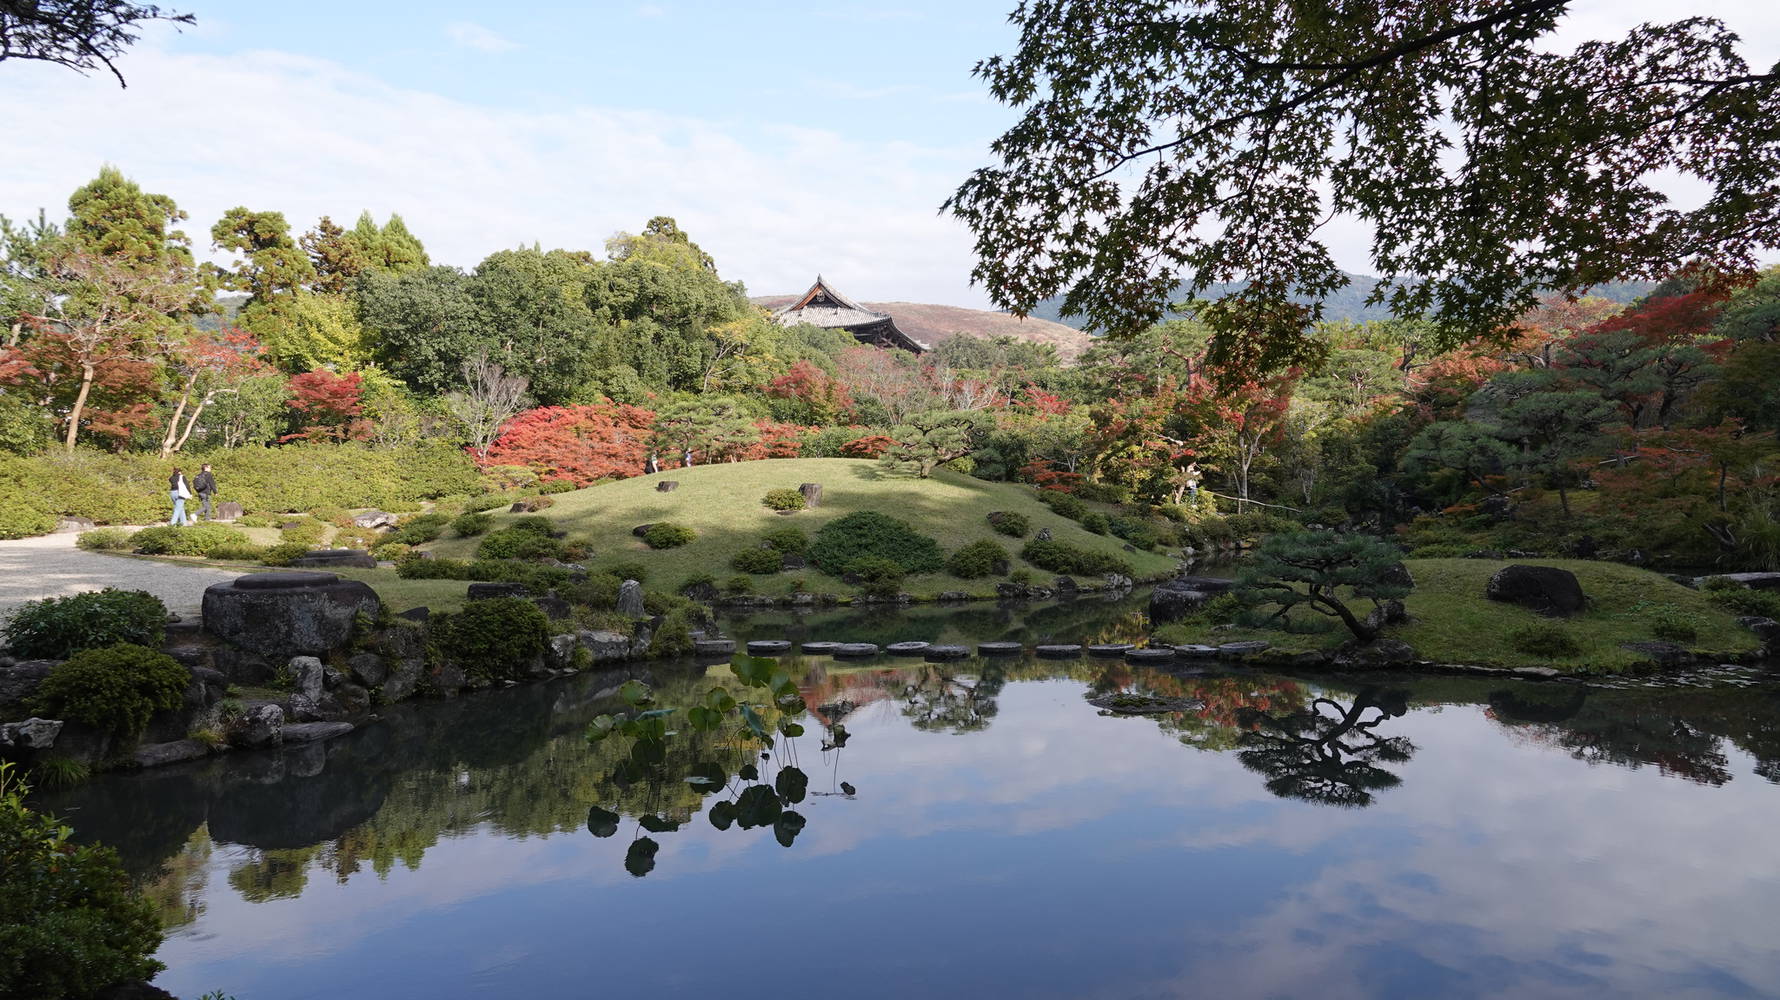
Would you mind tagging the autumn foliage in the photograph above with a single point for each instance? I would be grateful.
(579, 444)
(330, 405)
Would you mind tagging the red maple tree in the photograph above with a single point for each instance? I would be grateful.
(578, 444)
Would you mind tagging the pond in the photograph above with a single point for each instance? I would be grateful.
(987, 832)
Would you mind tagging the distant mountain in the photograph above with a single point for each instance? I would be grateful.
(1347, 303)
(930, 324)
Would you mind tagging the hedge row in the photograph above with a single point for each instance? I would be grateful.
(132, 489)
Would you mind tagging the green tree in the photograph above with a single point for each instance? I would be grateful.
(1210, 141)
(421, 325)
(929, 440)
(270, 262)
(112, 216)
(1318, 570)
(712, 427)
(337, 256)
(1550, 429)
(536, 312)
(82, 35)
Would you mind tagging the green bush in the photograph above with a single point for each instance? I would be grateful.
(518, 541)
(241, 552)
(867, 534)
(190, 540)
(20, 521)
(56, 627)
(788, 539)
(668, 535)
(419, 530)
(104, 540)
(333, 514)
(391, 551)
(673, 637)
(70, 923)
(1444, 550)
(1545, 639)
(1061, 557)
(1138, 534)
(978, 559)
(1064, 504)
(759, 561)
(284, 553)
(878, 576)
(550, 486)
(115, 689)
(784, 499)
(1010, 523)
(256, 521)
(536, 577)
(306, 532)
(1672, 624)
(599, 591)
(469, 525)
(495, 639)
(627, 570)
(738, 585)
(697, 580)
(491, 501)
(1096, 523)
(1102, 492)
(1740, 600)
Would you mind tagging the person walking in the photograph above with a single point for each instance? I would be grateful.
(180, 491)
(205, 486)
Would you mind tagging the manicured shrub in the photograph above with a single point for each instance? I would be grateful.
(537, 524)
(668, 535)
(19, 521)
(1138, 534)
(307, 533)
(1095, 522)
(56, 627)
(628, 570)
(1061, 557)
(1545, 639)
(536, 577)
(759, 561)
(256, 521)
(242, 552)
(1740, 600)
(599, 591)
(784, 499)
(518, 541)
(978, 559)
(1010, 523)
(495, 639)
(738, 585)
(419, 530)
(104, 540)
(115, 689)
(788, 539)
(391, 551)
(673, 637)
(491, 501)
(333, 514)
(1102, 492)
(549, 486)
(1672, 624)
(190, 540)
(878, 576)
(284, 553)
(471, 524)
(71, 925)
(696, 580)
(867, 534)
(1064, 504)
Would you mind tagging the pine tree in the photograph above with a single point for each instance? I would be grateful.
(1313, 568)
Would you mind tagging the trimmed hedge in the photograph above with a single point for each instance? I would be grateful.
(496, 639)
(867, 535)
(978, 559)
(1010, 523)
(784, 499)
(760, 562)
(115, 689)
(190, 540)
(668, 535)
(471, 524)
(1061, 557)
(59, 626)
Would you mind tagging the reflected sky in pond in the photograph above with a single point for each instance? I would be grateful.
(1534, 844)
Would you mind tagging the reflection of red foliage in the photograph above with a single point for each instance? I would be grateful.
(580, 444)
(1225, 698)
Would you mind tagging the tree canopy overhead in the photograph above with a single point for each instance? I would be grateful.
(1214, 141)
(79, 34)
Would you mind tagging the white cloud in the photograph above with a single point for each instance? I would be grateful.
(310, 137)
(475, 36)
(651, 10)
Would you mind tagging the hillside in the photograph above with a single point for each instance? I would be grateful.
(1348, 303)
(722, 503)
(930, 324)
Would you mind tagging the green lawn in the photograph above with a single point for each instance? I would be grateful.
(722, 503)
(1450, 621)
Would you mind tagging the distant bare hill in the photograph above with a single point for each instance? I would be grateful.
(931, 324)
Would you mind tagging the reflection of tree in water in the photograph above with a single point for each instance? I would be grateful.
(1328, 753)
(1637, 728)
(940, 700)
(1226, 700)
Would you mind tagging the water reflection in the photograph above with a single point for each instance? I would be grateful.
(1328, 753)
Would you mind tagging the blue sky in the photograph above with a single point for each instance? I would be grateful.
(788, 138)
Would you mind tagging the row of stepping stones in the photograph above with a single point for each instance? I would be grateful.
(939, 652)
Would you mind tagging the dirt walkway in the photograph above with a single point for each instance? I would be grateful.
(50, 566)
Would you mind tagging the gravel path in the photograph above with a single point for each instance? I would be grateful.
(50, 566)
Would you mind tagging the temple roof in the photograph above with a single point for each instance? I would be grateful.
(823, 306)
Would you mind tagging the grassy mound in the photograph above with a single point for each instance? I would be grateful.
(1452, 622)
(721, 504)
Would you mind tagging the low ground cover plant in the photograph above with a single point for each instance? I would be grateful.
(189, 540)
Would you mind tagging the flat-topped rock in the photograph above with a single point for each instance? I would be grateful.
(1058, 651)
(907, 648)
(938, 654)
(1150, 654)
(856, 650)
(1109, 649)
(1195, 651)
(1000, 649)
(818, 648)
(713, 647)
(310, 732)
(280, 615)
(768, 647)
(1545, 589)
(1240, 649)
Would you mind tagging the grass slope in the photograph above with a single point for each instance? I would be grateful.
(1452, 622)
(722, 503)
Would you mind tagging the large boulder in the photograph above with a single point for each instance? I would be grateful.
(229, 510)
(374, 519)
(1379, 654)
(280, 615)
(812, 494)
(342, 558)
(19, 681)
(1173, 600)
(31, 734)
(1754, 581)
(262, 725)
(307, 675)
(630, 600)
(1545, 589)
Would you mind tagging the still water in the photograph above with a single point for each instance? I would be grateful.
(1279, 837)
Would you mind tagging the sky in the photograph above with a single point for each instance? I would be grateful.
(786, 138)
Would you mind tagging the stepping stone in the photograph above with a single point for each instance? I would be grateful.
(907, 648)
(1153, 654)
(1000, 649)
(856, 650)
(1059, 651)
(819, 648)
(1195, 651)
(939, 653)
(1109, 649)
(1239, 649)
(713, 647)
(768, 647)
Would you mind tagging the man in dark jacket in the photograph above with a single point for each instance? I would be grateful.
(205, 486)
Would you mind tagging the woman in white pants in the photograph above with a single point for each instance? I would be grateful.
(180, 491)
